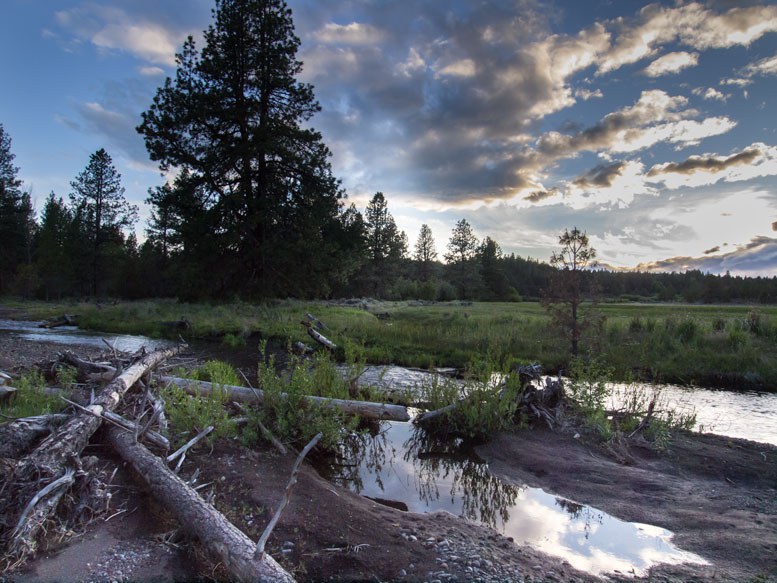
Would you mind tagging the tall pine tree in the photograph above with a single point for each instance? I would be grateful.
(98, 201)
(234, 118)
(16, 217)
(425, 252)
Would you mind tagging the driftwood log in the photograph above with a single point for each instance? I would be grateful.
(222, 540)
(64, 320)
(366, 409)
(18, 437)
(318, 337)
(56, 456)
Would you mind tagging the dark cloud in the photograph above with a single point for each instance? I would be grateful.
(540, 195)
(706, 164)
(601, 176)
(774, 226)
(444, 95)
(757, 257)
(714, 249)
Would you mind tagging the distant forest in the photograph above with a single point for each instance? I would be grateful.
(255, 212)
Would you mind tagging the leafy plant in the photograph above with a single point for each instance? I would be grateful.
(191, 414)
(30, 398)
(286, 412)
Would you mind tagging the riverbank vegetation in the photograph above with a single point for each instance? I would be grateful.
(731, 346)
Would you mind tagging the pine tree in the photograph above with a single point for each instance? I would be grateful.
(425, 252)
(564, 299)
(492, 270)
(16, 216)
(53, 261)
(386, 245)
(462, 268)
(98, 201)
(235, 118)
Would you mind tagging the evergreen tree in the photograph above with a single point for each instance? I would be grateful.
(386, 245)
(16, 216)
(99, 203)
(462, 269)
(565, 297)
(425, 252)
(235, 119)
(492, 270)
(53, 262)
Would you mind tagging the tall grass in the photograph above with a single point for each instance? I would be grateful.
(673, 342)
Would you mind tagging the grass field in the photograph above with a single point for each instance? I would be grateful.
(724, 345)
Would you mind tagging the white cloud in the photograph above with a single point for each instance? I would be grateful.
(671, 63)
(461, 68)
(710, 93)
(151, 71)
(112, 28)
(146, 41)
(691, 24)
(586, 94)
(355, 33)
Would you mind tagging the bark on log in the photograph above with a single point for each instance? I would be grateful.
(53, 456)
(18, 437)
(366, 409)
(64, 320)
(318, 337)
(225, 542)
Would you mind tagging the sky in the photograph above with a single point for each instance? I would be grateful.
(650, 126)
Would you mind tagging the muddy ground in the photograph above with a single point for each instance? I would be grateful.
(718, 495)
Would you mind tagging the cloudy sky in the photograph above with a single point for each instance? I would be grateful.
(652, 126)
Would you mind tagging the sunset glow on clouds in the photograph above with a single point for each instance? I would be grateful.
(637, 122)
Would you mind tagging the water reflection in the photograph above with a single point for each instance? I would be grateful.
(73, 336)
(400, 463)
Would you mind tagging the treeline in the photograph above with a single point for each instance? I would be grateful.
(254, 211)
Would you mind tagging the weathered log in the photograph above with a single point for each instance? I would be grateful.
(318, 337)
(366, 409)
(220, 538)
(17, 437)
(52, 457)
(87, 370)
(64, 320)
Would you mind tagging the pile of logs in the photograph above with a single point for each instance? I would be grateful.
(38, 482)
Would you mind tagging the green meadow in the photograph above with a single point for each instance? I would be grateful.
(722, 345)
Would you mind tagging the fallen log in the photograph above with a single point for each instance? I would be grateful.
(55, 455)
(220, 538)
(64, 320)
(318, 337)
(366, 409)
(18, 436)
(87, 370)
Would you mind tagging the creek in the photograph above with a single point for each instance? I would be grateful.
(403, 467)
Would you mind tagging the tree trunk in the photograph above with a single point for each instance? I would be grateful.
(366, 409)
(222, 540)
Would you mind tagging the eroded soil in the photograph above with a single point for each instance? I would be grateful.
(718, 495)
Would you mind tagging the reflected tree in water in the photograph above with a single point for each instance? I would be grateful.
(581, 513)
(485, 498)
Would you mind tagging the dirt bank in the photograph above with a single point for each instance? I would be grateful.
(718, 495)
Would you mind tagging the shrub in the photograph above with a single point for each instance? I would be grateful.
(286, 412)
(30, 398)
(191, 414)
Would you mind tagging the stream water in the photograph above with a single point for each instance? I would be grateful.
(404, 467)
(72, 336)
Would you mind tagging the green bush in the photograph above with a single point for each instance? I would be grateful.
(285, 411)
(191, 414)
(30, 398)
